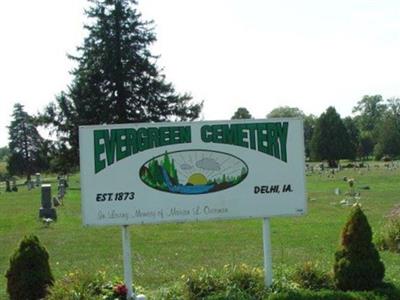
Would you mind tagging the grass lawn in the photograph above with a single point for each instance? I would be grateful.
(162, 253)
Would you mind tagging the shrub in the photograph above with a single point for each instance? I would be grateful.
(389, 237)
(203, 283)
(29, 275)
(78, 285)
(244, 280)
(308, 276)
(235, 282)
(357, 264)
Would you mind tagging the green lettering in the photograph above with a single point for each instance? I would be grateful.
(282, 132)
(131, 140)
(252, 135)
(272, 139)
(164, 133)
(143, 140)
(154, 139)
(262, 138)
(123, 150)
(110, 144)
(241, 135)
(217, 134)
(99, 164)
(185, 134)
(229, 134)
(206, 134)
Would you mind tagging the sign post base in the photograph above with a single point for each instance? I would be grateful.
(267, 252)
(126, 245)
(126, 248)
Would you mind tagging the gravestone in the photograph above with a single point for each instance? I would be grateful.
(67, 181)
(337, 191)
(8, 187)
(14, 186)
(56, 201)
(38, 179)
(47, 211)
(61, 190)
(30, 185)
(62, 184)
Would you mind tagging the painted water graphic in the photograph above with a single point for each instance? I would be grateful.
(193, 171)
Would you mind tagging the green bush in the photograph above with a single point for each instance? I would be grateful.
(389, 237)
(29, 275)
(357, 264)
(202, 283)
(308, 276)
(78, 285)
(234, 282)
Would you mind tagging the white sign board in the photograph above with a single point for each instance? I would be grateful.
(175, 172)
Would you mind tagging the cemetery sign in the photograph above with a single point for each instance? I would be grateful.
(176, 172)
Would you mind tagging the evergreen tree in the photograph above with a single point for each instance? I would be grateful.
(309, 126)
(366, 146)
(117, 79)
(26, 144)
(354, 138)
(29, 275)
(330, 138)
(242, 113)
(357, 264)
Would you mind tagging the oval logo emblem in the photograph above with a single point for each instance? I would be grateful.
(193, 172)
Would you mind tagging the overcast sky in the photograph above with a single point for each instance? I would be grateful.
(260, 54)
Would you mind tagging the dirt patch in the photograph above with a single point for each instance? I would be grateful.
(394, 213)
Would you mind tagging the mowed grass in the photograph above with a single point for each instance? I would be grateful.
(162, 253)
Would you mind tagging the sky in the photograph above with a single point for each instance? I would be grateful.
(258, 54)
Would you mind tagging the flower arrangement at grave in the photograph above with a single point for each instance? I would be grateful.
(353, 196)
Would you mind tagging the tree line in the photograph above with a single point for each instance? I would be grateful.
(373, 132)
(117, 80)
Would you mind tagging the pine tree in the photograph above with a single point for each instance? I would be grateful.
(330, 138)
(26, 144)
(357, 264)
(117, 79)
(29, 275)
(241, 113)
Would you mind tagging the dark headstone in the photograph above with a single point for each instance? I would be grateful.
(14, 187)
(38, 179)
(47, 211)
(46, 196)
(8, 187)
(61, 190)
(30, 185)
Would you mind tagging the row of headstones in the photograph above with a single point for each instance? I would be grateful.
(321, 167)
(11, 185)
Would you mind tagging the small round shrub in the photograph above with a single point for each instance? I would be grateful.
(389, 238)
(309, 276)
(357, 264)
(29, 275)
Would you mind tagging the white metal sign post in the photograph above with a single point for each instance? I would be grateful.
(146, 173)
(126, 245)
(267, 252)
